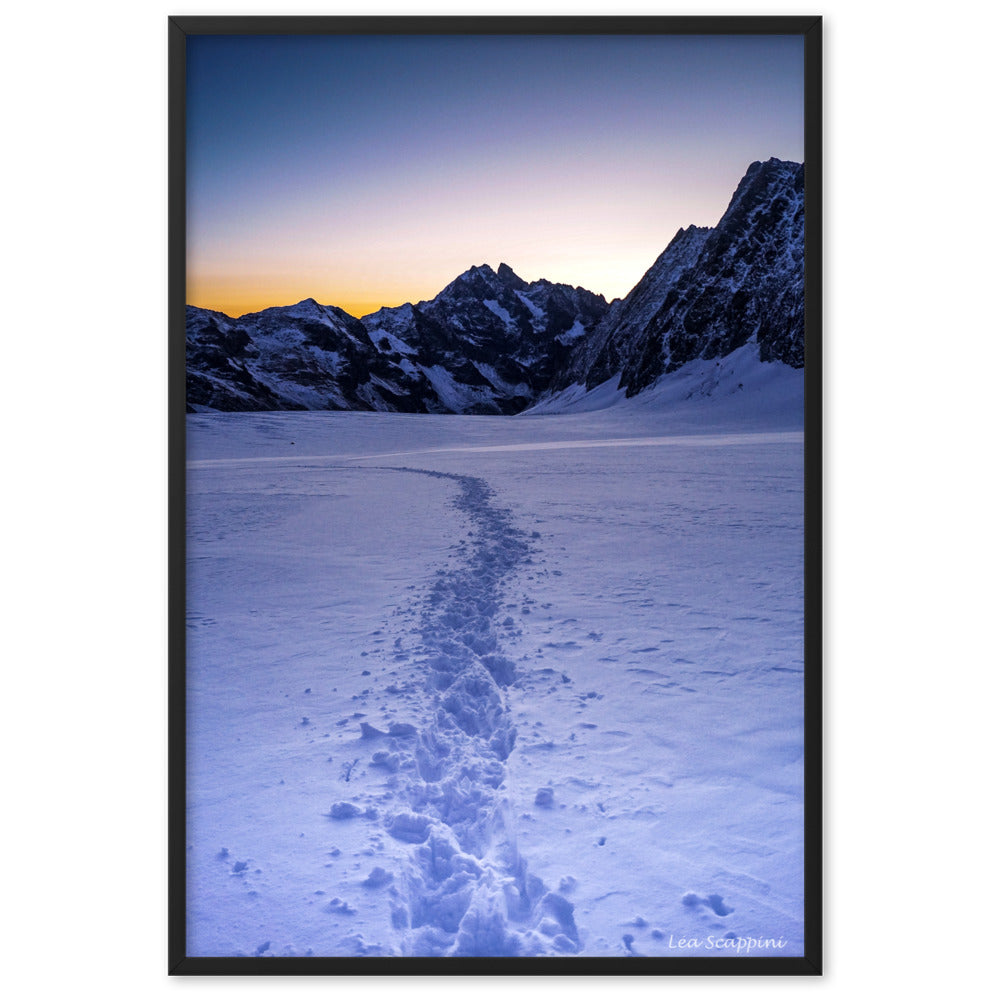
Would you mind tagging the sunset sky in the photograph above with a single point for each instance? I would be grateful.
(367, 171)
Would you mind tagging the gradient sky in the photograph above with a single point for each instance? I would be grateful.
(366, 171)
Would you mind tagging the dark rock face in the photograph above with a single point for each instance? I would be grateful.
(749, 280)
(491, 342)
(711, 291)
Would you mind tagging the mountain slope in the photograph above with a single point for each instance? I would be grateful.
(301, 357)
(609, 350)
(711, 291)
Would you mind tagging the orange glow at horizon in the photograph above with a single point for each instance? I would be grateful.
(235, 300)
(235, 303)
(236, 294)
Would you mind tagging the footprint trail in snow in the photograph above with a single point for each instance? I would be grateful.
(466, 890)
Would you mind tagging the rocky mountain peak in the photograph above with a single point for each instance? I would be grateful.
(510, 280)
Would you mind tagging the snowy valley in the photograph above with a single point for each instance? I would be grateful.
(462, 682)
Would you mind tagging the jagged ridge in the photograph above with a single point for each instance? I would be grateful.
(491, 342)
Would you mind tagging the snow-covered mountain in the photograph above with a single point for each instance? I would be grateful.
(711, 292)
(488, 343)
(491, 342)
(301, 357)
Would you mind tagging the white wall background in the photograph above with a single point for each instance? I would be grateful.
(911, 371)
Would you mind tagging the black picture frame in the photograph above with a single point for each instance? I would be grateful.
(179, 962)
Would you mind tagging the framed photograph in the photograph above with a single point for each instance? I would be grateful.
(495, 513)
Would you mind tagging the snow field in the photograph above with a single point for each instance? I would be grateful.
(661, 694)
(508, 695)
(285, 615)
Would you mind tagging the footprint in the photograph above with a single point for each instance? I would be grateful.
(337, 905)
(713, 902)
